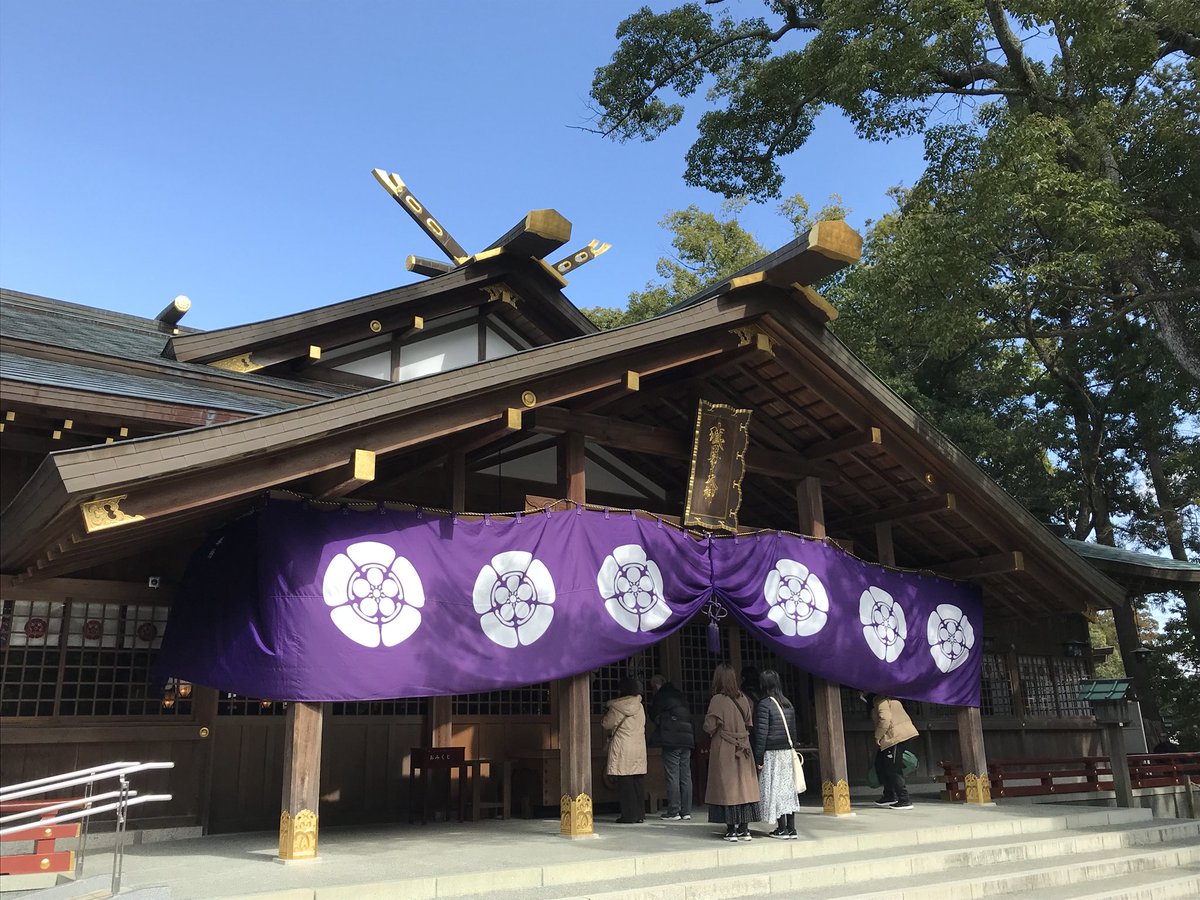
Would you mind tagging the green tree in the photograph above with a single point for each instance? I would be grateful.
(1086, 140)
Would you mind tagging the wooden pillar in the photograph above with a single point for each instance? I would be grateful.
(1114, 738)
(831, 745)
(439, 720)
(827, 696)
(301, 781)
(885, 550)
(974, 758)
(810, 509)
(204, 712)
(574, 693)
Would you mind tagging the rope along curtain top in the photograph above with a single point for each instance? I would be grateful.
(295, 603)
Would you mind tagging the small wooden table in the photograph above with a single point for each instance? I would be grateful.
(422, 760)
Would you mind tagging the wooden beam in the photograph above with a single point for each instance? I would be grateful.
(855, 440)
(93, 590)
(630, 384)
(581, 256)
(542, 231)
(358, 470)
(622, 435)
(422, 265)
(813, 304)
(897, 513)
(437, 233)
(980, 566)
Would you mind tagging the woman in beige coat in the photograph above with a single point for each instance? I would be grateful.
(625, 723)
(732, 780)
(893, 731)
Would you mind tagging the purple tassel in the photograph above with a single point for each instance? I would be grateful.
(714, 638)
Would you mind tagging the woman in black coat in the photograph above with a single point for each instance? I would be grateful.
(772, 743)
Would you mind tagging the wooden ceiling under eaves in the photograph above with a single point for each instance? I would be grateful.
(758, 341)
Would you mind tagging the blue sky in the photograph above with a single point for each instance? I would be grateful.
(224, 150)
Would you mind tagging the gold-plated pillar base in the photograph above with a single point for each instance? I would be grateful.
(978, 788)
(835, 797)
(298, 836)
(575, 815)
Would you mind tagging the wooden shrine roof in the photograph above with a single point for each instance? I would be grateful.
(759, 342)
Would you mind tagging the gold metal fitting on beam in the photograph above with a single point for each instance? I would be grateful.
(528, 399)
(240, 363)
(376, 326)
(501, 292)
(106, 513)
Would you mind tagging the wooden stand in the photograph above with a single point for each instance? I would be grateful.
(301, 782)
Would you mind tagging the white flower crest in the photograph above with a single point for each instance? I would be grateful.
(514, 597)
(632, 588)
(375, 594)
(883, 621)
(951, 637)
(799, 603)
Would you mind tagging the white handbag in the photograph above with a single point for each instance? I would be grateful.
(797, 757)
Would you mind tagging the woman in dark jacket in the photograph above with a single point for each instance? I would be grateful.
(773, 754)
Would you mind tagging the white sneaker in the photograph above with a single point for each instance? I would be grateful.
(686, 818)
(667, 817)
(906, 805)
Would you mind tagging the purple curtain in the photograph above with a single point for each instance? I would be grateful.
(293, 603)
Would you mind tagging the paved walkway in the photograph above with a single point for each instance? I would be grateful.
(478, 858)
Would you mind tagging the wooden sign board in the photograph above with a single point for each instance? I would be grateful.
(718, 466)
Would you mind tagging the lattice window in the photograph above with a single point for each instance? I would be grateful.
(400, 706)
(760, 657)
(83, 659)
(852, 707)
(1067, 675)
(606, 681)
(533, 700)
(996, 695)
(238, 705)
(938, 710)
(697, 664)
(1037, 685)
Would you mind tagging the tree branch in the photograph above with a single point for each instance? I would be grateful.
(763, 34)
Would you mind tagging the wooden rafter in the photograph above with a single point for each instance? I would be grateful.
(981, 566)
(899, 512)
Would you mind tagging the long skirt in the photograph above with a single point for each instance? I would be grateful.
(737, 814)
(777, 785)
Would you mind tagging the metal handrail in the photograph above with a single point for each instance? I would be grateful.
(124, 798)
(130, 800)
(16, 792)
(38, 811)
(5, 791)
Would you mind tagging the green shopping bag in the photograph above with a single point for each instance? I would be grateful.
(908, 762)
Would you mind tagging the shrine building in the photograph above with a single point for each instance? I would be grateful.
(481, 391)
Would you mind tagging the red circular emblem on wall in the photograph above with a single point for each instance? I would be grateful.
(92, 629)
(36, 628)
(147, 631)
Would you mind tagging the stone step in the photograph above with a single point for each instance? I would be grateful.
(1160, 884)
(1016, 878)
(717, 859)
(755, 869)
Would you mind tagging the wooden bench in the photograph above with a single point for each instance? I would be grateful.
(1074, 774)
(44, 858)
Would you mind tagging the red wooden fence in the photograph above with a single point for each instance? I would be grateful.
(1075, 774)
